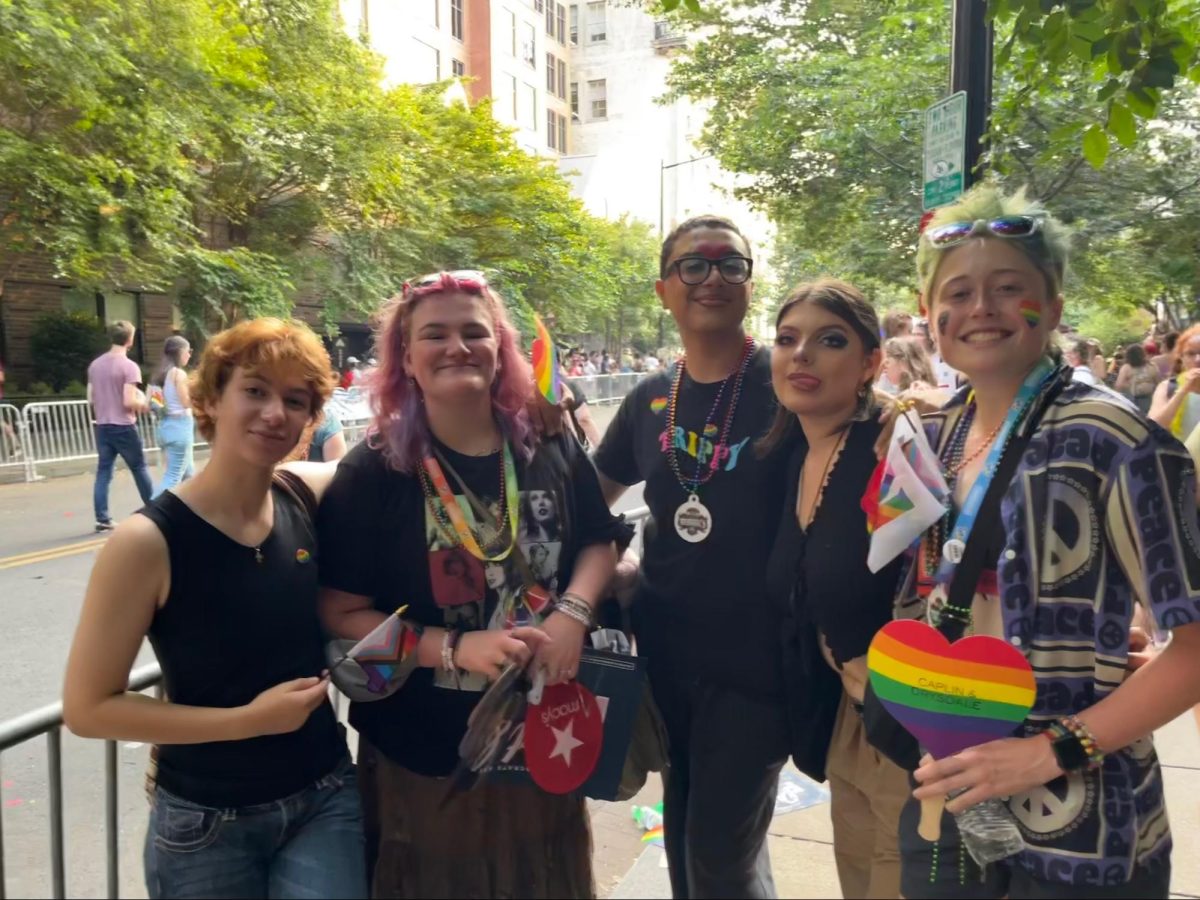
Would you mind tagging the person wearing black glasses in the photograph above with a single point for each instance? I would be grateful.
(701, 613)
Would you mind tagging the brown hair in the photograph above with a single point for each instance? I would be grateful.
(916, 361)
(258, 344)
(893, 321)
(846, 302)
(119, 332)
(716, 222)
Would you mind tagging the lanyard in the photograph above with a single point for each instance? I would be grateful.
(454, 512)
(965, 520)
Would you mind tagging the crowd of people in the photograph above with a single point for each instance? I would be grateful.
(1071, 534)
(579, 363)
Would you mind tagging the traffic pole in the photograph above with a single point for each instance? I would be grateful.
(971, 71)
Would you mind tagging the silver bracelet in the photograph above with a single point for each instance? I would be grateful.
(447, 651)
(575, 607)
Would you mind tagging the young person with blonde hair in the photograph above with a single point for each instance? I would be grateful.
(1079, 511)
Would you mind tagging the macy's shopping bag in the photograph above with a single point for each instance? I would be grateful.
(614, 682)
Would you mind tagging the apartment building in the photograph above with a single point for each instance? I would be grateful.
(513, 51)
(631, 154)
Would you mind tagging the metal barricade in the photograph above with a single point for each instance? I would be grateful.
(48, 721)
(13, 456)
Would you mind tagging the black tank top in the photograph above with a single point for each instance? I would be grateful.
(233, 626)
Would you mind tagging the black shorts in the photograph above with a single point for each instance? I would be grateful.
(946, 871)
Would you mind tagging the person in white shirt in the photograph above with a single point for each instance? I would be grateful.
(1078, 357)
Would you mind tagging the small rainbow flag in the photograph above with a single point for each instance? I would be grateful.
(654, 835)
(545, 363)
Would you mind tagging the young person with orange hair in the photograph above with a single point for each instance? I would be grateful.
(254, 789)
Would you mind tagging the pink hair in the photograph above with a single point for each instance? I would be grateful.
(400, 426)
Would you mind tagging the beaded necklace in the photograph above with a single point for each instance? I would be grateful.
(459, 533)
(703, 477)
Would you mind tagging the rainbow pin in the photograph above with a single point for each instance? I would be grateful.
(658, 404)
(303, 556)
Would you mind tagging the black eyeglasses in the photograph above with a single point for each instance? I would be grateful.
(695, 269)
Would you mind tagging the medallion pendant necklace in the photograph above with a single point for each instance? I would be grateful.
(694, 520)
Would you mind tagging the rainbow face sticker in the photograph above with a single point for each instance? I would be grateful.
(1031, 312)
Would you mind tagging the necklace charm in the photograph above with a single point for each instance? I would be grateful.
(952, 551)
(693, 521)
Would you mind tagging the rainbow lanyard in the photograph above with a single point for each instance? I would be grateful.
(445, 497)
(965, 520)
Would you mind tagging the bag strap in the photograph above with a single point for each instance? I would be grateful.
(987, 522)
(297, 488)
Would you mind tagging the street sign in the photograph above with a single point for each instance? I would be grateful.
(945, 150)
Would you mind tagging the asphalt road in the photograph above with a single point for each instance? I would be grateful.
(47, 547)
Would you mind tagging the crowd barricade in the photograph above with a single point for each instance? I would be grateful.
(59, 431)
(48, 721)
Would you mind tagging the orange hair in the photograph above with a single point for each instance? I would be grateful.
(258, 344)
(1180, 343)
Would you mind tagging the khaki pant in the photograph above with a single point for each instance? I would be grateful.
(867, 793)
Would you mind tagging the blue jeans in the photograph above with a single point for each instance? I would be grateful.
(111, 441)
(175, 437)
(307, 845)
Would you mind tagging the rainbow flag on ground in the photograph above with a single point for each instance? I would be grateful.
(545, 363)
(905, 495)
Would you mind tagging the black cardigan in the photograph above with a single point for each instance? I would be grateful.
(819, 583)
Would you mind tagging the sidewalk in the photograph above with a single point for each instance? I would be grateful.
(801, 841)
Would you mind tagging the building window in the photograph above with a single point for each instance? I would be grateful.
(531, 95)
(562, 134)
(574, 24)
(551, 130)
(456, 19)
(551, 73)
(598, 92)
(597, 22)
(458, 68)
(575, 97)
(562, 79)
(426, 63)
(538, 5)
(550, 19)
(560, 21)
(529, 44)
(512, 28)
(515, 114)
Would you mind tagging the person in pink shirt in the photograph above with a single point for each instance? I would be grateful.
(116, 400)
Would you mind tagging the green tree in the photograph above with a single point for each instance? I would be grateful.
(63, 346)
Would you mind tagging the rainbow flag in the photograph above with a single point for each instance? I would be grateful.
(653, 836)
(545, 363)
(906, 494)
(382, 651)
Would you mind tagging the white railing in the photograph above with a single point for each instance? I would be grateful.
(59, 431)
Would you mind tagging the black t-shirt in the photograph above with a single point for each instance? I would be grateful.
(702, 609)
(379, 539)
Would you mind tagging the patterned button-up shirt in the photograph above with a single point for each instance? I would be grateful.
(1101, 513)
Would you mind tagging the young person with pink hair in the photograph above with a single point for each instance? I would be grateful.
(450, 462)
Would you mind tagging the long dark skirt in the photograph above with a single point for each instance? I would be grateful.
(496, 840)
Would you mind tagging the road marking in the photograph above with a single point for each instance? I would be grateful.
(37, 556)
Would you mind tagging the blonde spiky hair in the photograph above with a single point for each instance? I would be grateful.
(1046, 248)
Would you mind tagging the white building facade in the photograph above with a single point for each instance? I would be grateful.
(631, 155)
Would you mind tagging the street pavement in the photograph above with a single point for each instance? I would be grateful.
(47, 547)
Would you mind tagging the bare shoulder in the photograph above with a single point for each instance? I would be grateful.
(134, 560)
(317, 475)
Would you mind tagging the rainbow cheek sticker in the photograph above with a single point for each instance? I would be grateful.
(1031, 311)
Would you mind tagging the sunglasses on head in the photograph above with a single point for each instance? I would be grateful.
(1002, 227)
(469, 279)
